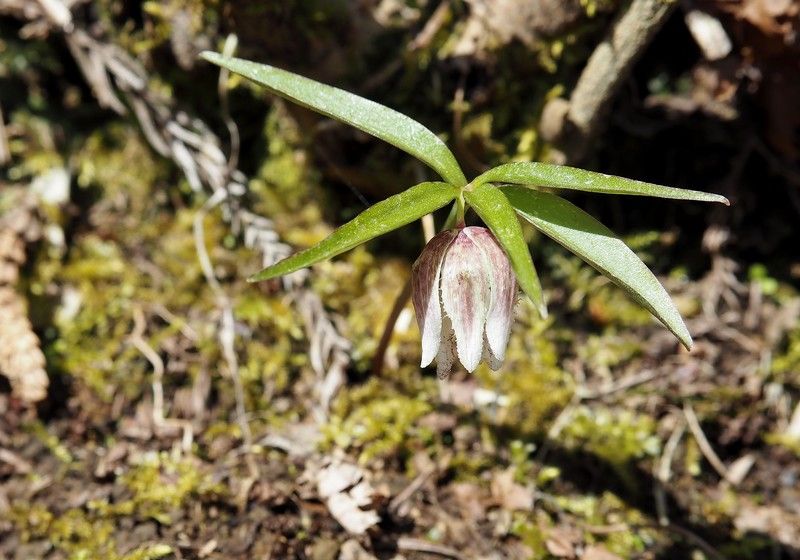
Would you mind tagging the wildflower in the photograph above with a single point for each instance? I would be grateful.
(463, 290)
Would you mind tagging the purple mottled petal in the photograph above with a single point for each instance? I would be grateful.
(425, 281)
(465, 297)
(503, 284)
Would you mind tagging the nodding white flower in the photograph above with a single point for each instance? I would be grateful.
(463, 290)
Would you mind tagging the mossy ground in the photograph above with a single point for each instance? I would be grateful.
(578, 422)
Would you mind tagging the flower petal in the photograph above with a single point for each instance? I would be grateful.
(503, 284)
(465, 298)
(447, 350)
(425, 281)
(489, 357)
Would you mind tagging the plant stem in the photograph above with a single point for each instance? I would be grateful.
(388, 329)
(459, 211)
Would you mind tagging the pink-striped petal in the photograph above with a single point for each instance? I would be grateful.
(465, 297)
(503, 284)
(425, 284)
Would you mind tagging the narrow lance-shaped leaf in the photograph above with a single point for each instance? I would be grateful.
(496, 212)
(373, 118)
(563, 177)
(376, 220)
(597, 245)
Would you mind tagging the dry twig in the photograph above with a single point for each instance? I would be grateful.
(409, 544)
(664, 472)
(405, 494)
(573, 124)
(160, 421)
(702, 441)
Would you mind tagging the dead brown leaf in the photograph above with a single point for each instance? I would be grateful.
(468, 498)
(772, 520)
(345, 491)
(509, 494)
(598, 552)
(561, 543)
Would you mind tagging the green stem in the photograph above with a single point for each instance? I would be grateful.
(460, 210)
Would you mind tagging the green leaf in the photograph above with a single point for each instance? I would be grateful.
(380, 218)
(373, 118)
(563, 177)
(597, 245)
(496, 212)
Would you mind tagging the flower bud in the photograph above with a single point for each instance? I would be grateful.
(463, 288)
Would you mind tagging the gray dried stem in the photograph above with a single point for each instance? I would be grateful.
(572, 125)
(702, 442)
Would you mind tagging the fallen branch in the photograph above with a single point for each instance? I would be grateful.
(572, 125)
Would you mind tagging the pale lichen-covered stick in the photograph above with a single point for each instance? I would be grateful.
(21, 359)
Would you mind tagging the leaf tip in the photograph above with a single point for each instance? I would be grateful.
(258, 277)
(211, 56)
(538, 304)
(712, 197)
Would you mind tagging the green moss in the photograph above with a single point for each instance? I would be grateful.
(365, 292)
(77, 534)
(33, 151)
(520, 453)
(32, 521)
(592, 7)
(786, 364)
(92, 344)
(139, 257)
(784, 440)
(160, 485)
(50, 441)
(618, 436)
(104, 163)
(200, 17)
(752, 546)
(285, 183)
(530, 533)
(602, 353)
(607, 509)
(611, 510)
(531, 378)
(376, 421)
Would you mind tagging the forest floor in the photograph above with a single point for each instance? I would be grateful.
(172, 410)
